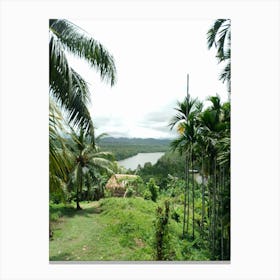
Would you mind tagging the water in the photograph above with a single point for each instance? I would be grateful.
(141, 158)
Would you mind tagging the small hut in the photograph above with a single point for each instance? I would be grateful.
(118, 183)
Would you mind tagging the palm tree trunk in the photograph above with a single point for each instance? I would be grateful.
(210, 205)
(185, 195)
(78, 207)
(203, 201)
(192, 196)
(222, 213)
(219, 211)
(214, 207)
(188, 190)
(79, 187)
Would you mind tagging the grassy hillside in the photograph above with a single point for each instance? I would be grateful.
(111, 229)
(119, 229)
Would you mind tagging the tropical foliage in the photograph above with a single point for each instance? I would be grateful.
(219, 36)
(176, 209)
(88, 168)
(66, 86)
(126, 147)
(69, 98)
(204, 138)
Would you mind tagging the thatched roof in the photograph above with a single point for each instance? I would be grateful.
(118, 182)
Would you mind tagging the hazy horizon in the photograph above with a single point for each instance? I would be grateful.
(152, 60)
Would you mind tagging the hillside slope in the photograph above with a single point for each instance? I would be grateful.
(116, 229)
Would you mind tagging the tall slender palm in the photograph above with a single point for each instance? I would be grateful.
(219, 35)
(204, 135)
(223, 160)
(214, 137)
(185, 121)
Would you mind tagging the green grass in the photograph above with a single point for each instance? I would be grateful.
(112, 229)
(115, 229)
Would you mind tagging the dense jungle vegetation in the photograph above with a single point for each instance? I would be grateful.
(166, 214)
(126, 147)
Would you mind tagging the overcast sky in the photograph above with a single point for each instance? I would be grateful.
(152, 59)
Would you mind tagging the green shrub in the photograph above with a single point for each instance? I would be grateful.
(129, 192)
(57, 197)
(147, 195)
(164, 249)
(153, 188)
(175, 216)
(107, 193)
(55, 216)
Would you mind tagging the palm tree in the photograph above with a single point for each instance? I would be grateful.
(185, 121)
(210, 133)
(219, 35)
(69, 91)
(59, 164)
(223, 159)
(204, 135)
(87, 162)
(66, 86)
(214, 138)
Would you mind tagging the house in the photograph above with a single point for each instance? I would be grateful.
(118, 183)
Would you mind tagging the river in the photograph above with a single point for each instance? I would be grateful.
(141, 158)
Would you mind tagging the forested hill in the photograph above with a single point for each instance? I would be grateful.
(125, 147)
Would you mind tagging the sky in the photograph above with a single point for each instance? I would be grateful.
(153, 58)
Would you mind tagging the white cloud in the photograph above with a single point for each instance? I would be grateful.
(153, 59)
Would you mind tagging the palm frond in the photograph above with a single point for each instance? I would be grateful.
(212, 32)
(184, 110)
(220, 36)
(106, 155)
(101, 136)
(81, 44)
(180, 144)
(102, 163)
(68, 88)
(216, 102)
(226, 73)
(58, 164)
(224, 151)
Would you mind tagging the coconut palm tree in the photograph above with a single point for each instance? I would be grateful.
(66, 86)
(88, 161)
(69, 91)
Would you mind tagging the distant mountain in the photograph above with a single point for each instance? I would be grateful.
(134, 141)
(126, 147)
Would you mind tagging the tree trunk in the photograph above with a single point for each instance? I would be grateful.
(222, 211)
(188, 190)
(193, 196)
(215, 212)
(214, 208)
(78, 207)
(203, 201)
(185, 195)
(79, 187)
